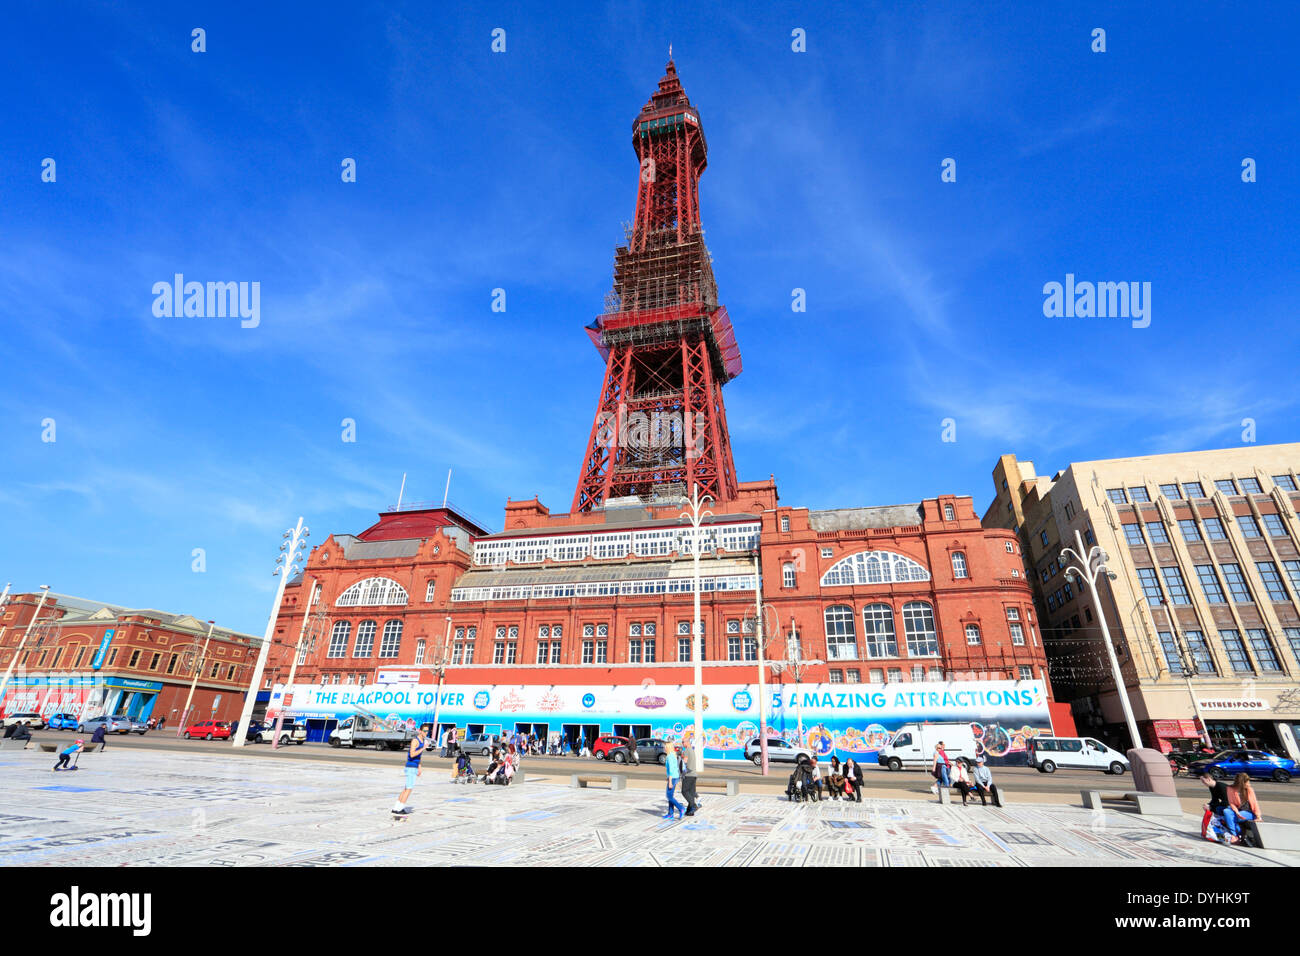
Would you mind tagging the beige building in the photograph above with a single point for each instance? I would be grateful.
(1204, 605)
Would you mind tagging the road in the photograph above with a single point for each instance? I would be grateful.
(1284, 798)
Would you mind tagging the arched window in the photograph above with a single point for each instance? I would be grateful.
(841, 636)
(373, 592)
(918, 625)
(365, 645)
(419, 651)
(878, 630)
(874, 567)
(339, 639)
(958, 564)
(391, 645)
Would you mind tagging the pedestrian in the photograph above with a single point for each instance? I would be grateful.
(565, 748)
(984, 784)
(852, 779)
(162, 721)
(674, 774)
(815, 770)
(585, 751)
(234, 726)
(688, 781)
(413, 755)
(98, 737)
(961, 779)
(1214, 810)
(634, 758)
(1242, 805)
(940, 768)
(66, 755)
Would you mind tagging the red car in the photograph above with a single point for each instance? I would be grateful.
(209, 730)
(605, 744)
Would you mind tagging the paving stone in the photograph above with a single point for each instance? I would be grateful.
(143, 808)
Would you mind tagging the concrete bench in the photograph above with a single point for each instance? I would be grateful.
(616, 781)
(49, 748)
(1274, 836)
(726, 785)
(1148, 804)
(9, 743)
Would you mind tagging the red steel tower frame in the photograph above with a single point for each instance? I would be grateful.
(661, 425)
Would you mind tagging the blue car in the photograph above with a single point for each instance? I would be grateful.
(1257, 763)
(62, 722)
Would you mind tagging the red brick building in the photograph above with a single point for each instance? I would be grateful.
(145, 670)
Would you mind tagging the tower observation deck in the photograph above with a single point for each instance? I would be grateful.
(668, 345)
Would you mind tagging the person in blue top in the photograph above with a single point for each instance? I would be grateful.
(66, 755)
(413, 755)
(674, 774)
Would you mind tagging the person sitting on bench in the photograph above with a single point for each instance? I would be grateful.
(23, 732)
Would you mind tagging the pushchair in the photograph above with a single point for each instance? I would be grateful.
(800, 786)
(464, 769)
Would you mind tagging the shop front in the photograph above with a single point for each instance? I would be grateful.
(843, 719)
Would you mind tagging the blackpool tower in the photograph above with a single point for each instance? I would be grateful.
(660, 424)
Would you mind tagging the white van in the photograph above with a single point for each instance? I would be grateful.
(913, 745)
(1074, 753)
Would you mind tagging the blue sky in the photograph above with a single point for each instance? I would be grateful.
(478, 171)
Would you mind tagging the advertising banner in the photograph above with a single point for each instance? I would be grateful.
(846, 719)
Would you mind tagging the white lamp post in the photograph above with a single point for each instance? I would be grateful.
(1089, 568)
(286, 566)
(297, 652)
(442, 672)
(759, 609)
(4, 682)
(198, 667)
(697, 632)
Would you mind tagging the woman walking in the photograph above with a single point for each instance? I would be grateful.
(674, 774)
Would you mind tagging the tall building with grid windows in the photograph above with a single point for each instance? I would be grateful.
(1204, 609)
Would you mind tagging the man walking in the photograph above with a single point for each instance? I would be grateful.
(413, 755)
(688, 782)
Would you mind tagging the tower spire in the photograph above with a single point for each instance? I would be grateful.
(669, 347)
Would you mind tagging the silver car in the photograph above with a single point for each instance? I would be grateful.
(112, 725)
(778, 750)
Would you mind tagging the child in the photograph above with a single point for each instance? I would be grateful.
(67, 755)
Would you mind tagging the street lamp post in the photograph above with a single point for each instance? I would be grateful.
(1088, 568)
(442, 672)
(762, 667)
(697, 631)
(198, 667)
(4, 683)
(293, 666)
(286, 566)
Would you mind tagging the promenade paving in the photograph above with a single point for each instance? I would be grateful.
(146, 808)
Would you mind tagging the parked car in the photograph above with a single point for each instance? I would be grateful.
(112, 725)
(778, 751)
(648, 750)
(1258, 763)
(137, 726)
(62, 722)
(290, 732)
(1074, 753)
(481, 743)
(606, 744)
(208, 730)
(33, 720)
